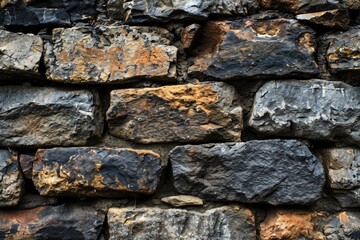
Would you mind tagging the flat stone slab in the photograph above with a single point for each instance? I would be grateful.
(20, 55)
(139, 11)
(11, 180)
(183, 200)
(225, 223)
(96, 172)
(267, 171)
(45, 116)
(179, 113)
(316, 109)
(62, 222)
(254, 48)
(41, 14)
(334, 19)
(110, 54)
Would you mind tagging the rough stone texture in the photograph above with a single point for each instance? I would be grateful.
(26, 163)
(63, 222)
(37, 14)
(345, 225)
(305, 6)
(96, 172)
(39, 116)
(110, 54)
(183, 200)
(11, 180)
(184, 113)
(224, 223)
(20, 55)
(335, 19)
(308, 109)
(268, 171)
(29, 201)
(138, 11)
(254, 48)
(188, 35)
(289, 224)
(342, 166)
(343, 53)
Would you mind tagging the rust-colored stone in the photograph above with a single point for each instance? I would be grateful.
(254, 48)
(63, 222)
(188, 35)
(116, 54)
(335, 19)
(289, 225)
(180, 113)
(26, 163)
(96, 172)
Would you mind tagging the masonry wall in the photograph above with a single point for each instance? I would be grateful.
(212, 119)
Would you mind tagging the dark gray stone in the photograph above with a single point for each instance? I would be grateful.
(96, 172)
(225, 223)
(39, 116)
(20, 55)
(269, 171)
(42, 13)
(254, 48)
(11, 180)
(139, 11)
(342, 54)
(63, 222)
(316, 109)
(343, 226)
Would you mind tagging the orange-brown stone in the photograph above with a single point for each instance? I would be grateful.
(116, 54)
(289, 225)
(180, 113)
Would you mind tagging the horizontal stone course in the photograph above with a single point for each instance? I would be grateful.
(96, 172)
(254, 48)
(235, 223)
(258, 171)
(110, 54)
(316, 109)
(62, 222)
(46, 116)
(179, 113)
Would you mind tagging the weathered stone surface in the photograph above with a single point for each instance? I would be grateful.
(138, 11)
(183, 200)
(29, 201)
(179, 113)
(316, 109)
(95, 172)
(63, 222)
(289, 224)
(110, 54)
(188, 35)
(345, 225)
(26, 163)
(343, 53)
(338, 18)
(32, 13)
(39, 116)
(11, 180)
(225, 223)
(342, 166)
(20, 55)
(268, 171)
(304, 6)
(251, 48)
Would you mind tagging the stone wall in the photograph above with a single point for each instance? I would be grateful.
(199, 119)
